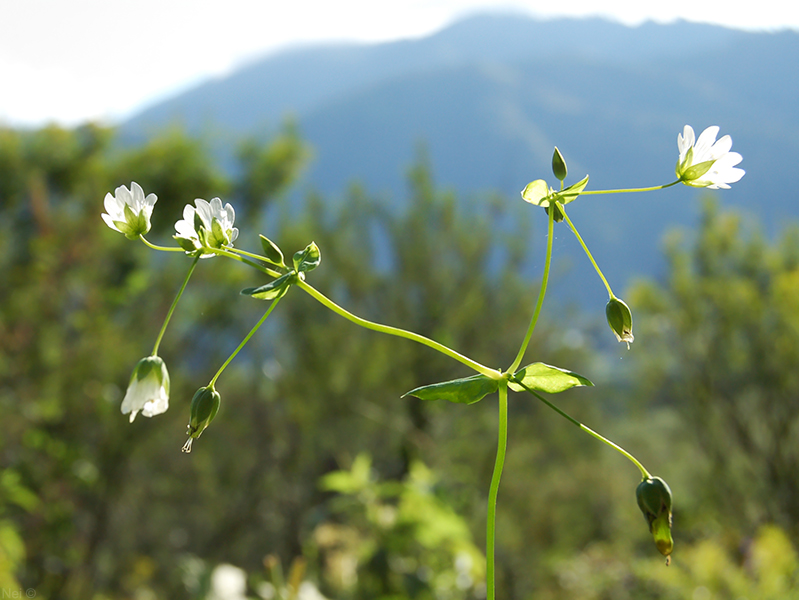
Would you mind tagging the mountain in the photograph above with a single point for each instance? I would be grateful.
(491, 95)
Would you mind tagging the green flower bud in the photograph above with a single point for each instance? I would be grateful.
(559, 165)
(620, 320)
(204, 407)
(654, 500)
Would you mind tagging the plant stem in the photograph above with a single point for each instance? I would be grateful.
(541, 293)
(161, 248)
(174, 304)
(230, 254)
(626, 190)
(493, 491)
(590, 431)
(244, 341)
(387, 329)
(585, 248)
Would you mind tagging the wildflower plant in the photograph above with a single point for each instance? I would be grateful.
(207, 230)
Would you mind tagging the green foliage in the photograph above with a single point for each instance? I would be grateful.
(722, 348)
(393, 539)
(546, 378)
(177, 169)
(93, 506)
(466, 390)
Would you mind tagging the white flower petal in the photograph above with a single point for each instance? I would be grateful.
(110, 222)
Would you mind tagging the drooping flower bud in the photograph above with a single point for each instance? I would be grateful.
(654, 500)
(204, 406)
(559, 165)
(620, 319)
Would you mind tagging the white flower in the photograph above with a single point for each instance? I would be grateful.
(707, 163)
(209, 225)
(129, 211)
(148, 390)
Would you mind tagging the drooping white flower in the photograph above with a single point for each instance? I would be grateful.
(706, 162)
(206, 225)
(148, 390)
(129, 211)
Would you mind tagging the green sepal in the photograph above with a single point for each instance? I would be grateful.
(467, 390)
(187, 244)
(204, 406)
(559, 168)
(536, 192)
(273, 289)
(541, 377)
(271, 252)
(558, 208)
(696, 171)
(570, 193)
(308, 259)
(218, 236)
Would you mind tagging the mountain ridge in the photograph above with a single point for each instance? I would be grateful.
(490, 96)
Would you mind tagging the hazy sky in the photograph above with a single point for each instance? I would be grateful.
(73, 60)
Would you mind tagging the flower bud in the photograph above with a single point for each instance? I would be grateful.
(204, 407)
(620, 320)
(654, 500)
(559, 165)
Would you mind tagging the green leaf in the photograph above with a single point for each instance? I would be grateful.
(546, 378)
(273, 289)
(570, 193)
(308, 259)
(271, 252)
(536, 192)
(467, 390)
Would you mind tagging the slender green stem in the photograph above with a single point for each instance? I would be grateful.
(172, 308)
(624, 191)
(541, 293)
(161, 248)
(387, 329)
(585, 248)
(230, 254)
(244, 341)
(590, 431)
(251, 255)
(493, 491)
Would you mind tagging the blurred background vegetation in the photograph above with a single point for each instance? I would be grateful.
(316, 479)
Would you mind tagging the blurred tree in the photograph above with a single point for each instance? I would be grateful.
(178, 168)
(268, 169)
(720, 343)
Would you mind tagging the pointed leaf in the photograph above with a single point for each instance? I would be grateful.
(467, 390)
(546, 378)
(307, 259)
(571, 192)
(271, 252)
(273, 289)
